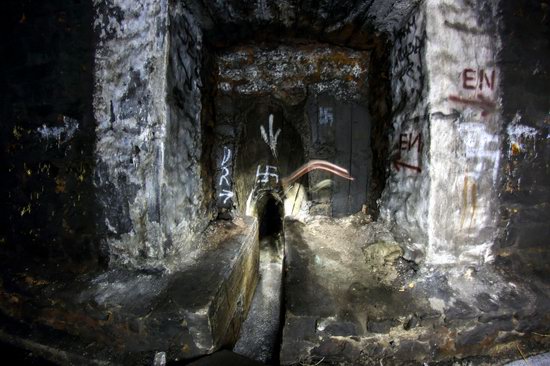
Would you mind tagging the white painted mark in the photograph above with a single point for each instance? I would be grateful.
(226, 155)
(271, 140)
(481, 149)
(70, 126)
(227, 194)
(160, 359)
(224, 176)
(270, 172)
(519, 133)
(326, 116)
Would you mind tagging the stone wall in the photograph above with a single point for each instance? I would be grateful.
(147, 176)
(183, 212)
(524, 193)
(48, 134)
(290, 71)
(404, 199)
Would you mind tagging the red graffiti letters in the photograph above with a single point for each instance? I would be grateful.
(480, 84)
(406, 141)
(472, 79)
(467, 79)
(397, 164)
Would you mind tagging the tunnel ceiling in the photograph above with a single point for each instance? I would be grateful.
(350, 23)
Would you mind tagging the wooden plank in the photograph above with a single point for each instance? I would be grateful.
(320, 111)
(360, 157)
(343, 137)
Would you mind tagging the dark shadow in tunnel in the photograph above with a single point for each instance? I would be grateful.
(270, 216)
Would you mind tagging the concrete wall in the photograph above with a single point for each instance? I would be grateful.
(147, 106)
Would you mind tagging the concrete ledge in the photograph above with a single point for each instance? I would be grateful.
(126, 316)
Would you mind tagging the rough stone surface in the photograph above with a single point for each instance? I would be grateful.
(147, 106)
(313, 68)
(325, 20)
(522, 244)
(184, 211)
(404, 197)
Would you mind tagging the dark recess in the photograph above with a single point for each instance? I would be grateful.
(378, 93)
(525, 186)
(46, 79)
(270, 217)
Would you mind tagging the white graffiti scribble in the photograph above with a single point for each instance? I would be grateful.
(270, 171)
(63, 133)
(226, 155)
(271, 140)
(481, 149)
(224, 178)
(326, 116)
(227, 194)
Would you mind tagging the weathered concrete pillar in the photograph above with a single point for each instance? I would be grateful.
(446, 144)
(462, 44)
(147, 105)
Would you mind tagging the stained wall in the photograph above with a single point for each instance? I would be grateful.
(470, 103)
(147, 106)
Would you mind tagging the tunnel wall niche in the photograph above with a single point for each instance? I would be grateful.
(148, 176)
(147, 105)
(317, 95)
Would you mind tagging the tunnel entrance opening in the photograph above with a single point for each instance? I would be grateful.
(270, 107)
(270, 217)
(284, 104)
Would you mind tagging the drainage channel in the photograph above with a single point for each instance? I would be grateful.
(261, 332)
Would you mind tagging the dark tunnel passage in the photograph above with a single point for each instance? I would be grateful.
(270, 217)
